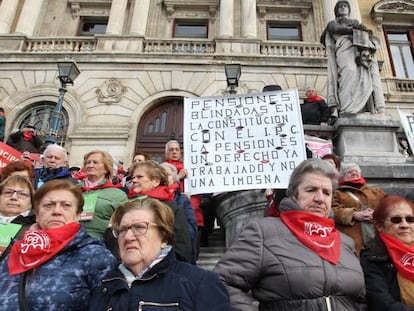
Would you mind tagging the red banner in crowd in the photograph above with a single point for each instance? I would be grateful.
(8, 154)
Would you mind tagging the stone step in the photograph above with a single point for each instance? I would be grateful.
(209, 255)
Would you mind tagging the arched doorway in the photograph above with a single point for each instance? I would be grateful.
(159, 125)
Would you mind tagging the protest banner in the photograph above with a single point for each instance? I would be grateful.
(318, 146)
(240, 142)
(8, 154)
(407, 120)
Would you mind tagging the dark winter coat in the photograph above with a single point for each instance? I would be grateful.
(63, 283)
(16, 141)
(45, 174)
(181, 200)
(169, 285)
(314, 112)
(284, 274)
(383, 291)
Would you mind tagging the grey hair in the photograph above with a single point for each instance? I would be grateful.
(56, 147)
(176, 179)
(317, 166)
(346, 167)
(167, 145)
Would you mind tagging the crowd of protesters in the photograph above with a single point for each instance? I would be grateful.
(108, 238)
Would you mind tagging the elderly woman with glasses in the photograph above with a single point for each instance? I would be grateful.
(353, 204)
(16, 194)
(150, 277)
(388, 264)
(55, 265)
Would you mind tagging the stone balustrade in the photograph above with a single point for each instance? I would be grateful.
(292, 49)
(179, 47)
(42, 45)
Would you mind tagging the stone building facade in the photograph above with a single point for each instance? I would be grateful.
(140, 58)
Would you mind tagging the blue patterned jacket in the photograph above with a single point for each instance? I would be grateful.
(63, 283)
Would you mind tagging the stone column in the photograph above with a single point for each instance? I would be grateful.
(329, 6)
(248, 19)
(8, 10)
(29, 16)
(117, 17)
(226, 18)
(140, 17)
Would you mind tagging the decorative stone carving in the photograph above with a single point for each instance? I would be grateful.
(386, 10)
(110, 92)
(75, 8)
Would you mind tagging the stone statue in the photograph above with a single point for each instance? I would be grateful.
(354, 83)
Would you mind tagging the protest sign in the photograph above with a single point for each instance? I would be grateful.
(407, 120)
(319, 146)
(240, 142)
(8, 154)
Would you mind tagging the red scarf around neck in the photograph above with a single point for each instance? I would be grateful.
(39, 246)
(315, 232)
(106, 184)
(401, 255)
(357, 183)
(314, 98)
(161, 193)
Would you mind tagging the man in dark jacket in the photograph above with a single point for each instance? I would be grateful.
(55, 159)
(25, 140)
(314, 108)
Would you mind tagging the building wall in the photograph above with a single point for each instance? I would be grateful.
(123, 75)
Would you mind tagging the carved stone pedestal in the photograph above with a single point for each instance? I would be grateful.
(368, 138)
(235, 209)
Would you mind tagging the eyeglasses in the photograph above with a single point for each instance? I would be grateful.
(21, 194)
(399, 219)
(139, 228)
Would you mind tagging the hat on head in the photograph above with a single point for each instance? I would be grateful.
(74, 169)
(272, 87)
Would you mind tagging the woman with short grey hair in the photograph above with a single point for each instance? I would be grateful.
(300, 248)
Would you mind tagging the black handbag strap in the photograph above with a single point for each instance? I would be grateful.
(22, 292)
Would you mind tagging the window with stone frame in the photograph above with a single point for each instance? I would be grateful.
(41, 115)
(395, 20)
(283, 32)
(191, 29)
(90, 26)
(400, 47)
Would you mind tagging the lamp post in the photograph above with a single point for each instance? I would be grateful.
(233, 73)
(67, 73)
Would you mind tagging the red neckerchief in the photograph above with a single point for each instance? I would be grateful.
(173, 189)
(106, 184)
(38, 246)
(179, 166)
(314, 98)
(401, 255)
(161, 193)
(357, 183)
(316, 232)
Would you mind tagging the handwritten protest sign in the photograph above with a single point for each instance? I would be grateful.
(407, 120)
(241, 142)
(8, 154)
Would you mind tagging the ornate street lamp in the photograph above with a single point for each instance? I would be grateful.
(233, 73)
(67, 73)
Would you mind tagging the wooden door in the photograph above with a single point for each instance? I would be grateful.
(159, 125)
